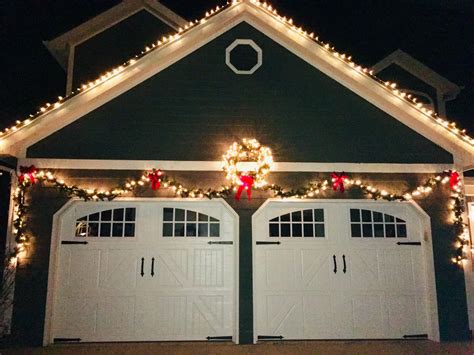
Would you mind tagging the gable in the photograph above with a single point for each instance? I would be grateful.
(116, 45)
(195, 108)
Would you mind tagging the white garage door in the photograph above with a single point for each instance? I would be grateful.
(339, 270)
(145, 270)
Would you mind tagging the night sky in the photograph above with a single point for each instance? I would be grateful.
(438, 33)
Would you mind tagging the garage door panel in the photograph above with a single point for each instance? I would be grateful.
(320, 312)
(209, 267)
(368, 316)
(162, 315)
(282, 315)
(278, 267)
(206, 317)
(400, 308)
(363, 268)
(316, 269)
(401, 268)
(116, 316)
(83, 271)
(119, 270)
(76, 316)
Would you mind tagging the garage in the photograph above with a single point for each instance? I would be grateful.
(343, 269)
(143, 270)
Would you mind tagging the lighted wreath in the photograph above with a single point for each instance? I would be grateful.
(247, 164)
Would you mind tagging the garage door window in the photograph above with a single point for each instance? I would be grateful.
(118, 222)
(373, 224)
(178, 222)
(302, 223)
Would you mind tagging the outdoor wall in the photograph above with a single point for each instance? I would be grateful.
(30, 292)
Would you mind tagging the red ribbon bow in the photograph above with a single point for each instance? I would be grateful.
(154, 177)
(247, 182)
(454, 179)
(338, 181)
(27, 172)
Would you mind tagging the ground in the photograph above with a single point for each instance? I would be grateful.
(288, 347)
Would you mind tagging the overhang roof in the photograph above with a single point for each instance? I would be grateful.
(60, 46)
(193, 35)
(448, 89)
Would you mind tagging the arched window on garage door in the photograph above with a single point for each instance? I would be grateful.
(301, 223)
(370, 224)
(117, 222)
(179, 222)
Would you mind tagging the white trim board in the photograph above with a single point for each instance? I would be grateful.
(211, 28)
(98, 164)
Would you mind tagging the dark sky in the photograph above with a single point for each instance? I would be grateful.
(440, 33)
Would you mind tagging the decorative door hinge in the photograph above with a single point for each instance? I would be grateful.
(270, 337)
(66, 340)
(223, 242)
(416, 336)
(220, 338)
(264, 243)
(409, 243)
(73, 242)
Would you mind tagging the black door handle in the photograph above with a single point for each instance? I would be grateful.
(143, 264)
(335, 264)
(152, 267)
(344, 263)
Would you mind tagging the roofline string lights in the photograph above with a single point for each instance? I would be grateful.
(157, 179)
(391, 87)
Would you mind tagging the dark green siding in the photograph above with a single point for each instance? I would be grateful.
(116, 45)
(194, 109)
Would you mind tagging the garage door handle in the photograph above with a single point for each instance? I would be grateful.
(335, 264)
(344, 263)
(143, 265)
(152, 267)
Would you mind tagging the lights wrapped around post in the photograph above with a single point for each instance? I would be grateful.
(246, 165)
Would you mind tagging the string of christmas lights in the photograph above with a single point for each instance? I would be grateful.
(29, 176)
(391, 87)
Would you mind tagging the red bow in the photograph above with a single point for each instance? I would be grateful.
(338, 181)
(27, 172)
(247, 182)
(154, 177)
(454, 179)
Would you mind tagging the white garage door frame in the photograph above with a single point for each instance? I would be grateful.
(56, 240)
(427, 252)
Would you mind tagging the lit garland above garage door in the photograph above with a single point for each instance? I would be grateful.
(157, 179)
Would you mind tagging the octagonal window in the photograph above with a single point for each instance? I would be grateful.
(243, 56)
